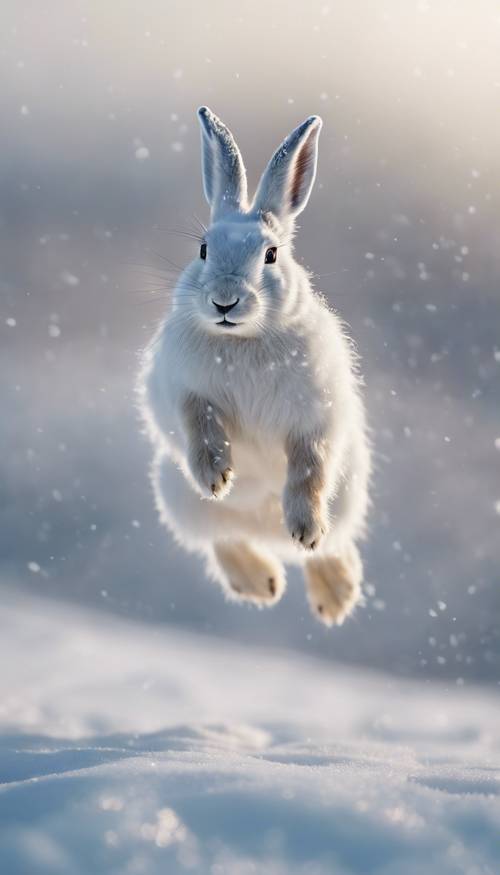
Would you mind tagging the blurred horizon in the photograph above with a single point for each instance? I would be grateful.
(100, 162)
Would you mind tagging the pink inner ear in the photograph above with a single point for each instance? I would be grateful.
(300, 167)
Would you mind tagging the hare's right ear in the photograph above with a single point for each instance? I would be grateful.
(224, 177)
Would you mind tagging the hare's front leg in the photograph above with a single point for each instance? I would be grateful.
(305, 497)
(208, 450)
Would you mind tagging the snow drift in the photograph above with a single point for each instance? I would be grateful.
(132, 749)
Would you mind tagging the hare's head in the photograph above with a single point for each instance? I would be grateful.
(241, 280)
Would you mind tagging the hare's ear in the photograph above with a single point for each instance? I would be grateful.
(286, 184)
(224, 177)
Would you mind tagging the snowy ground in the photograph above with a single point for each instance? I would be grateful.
(136, 749)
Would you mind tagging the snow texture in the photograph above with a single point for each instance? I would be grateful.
(128, 748)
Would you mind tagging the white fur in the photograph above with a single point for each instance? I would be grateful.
(284, 375)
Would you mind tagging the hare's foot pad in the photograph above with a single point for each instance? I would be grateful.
(333, 588)
(248, 574)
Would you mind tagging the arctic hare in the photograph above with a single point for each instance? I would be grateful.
(251, 397)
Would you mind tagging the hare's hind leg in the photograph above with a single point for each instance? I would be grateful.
(333, 584)
(248, 573)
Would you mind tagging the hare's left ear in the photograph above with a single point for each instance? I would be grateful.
(286, 184)
(224, 177)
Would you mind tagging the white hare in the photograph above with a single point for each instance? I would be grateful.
(251, 397)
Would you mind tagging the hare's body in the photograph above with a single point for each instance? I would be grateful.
(261, 451)
(262, 391)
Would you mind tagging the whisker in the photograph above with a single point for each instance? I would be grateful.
(167, 260)
(162, 295)
(200, 223)
(178, 232)
(172, 290)
(149, 294)
(161, 282)
(163, 271)
(152, 277)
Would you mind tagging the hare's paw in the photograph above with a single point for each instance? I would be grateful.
(305, 520)
(248, 574)
(333, 587)
(212, 471)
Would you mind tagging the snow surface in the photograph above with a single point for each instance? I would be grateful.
(129, 748)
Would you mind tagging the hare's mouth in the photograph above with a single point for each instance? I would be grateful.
(227, 323)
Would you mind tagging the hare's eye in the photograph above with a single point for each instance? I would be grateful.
(203, 251)
(271, 255)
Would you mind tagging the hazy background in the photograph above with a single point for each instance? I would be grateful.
(100, 158)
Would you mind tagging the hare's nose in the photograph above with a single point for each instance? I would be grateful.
(224, 308)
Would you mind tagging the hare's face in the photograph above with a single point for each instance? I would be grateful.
(241, 282)
(239, 276)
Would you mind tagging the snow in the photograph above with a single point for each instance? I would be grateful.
(70, 279)
(129, 748)
(34, 567)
